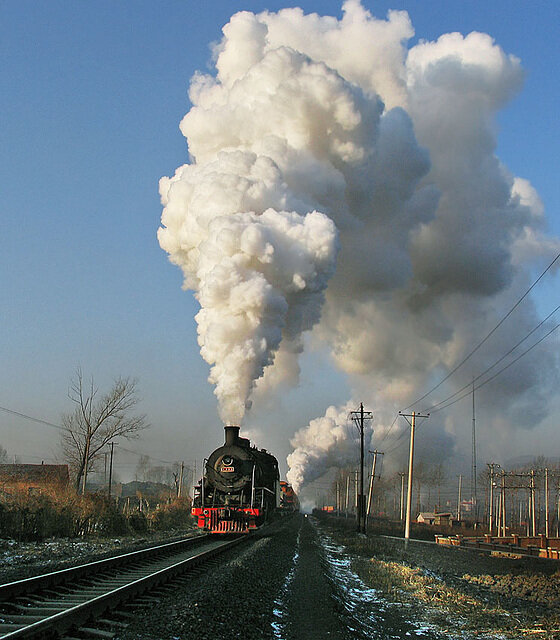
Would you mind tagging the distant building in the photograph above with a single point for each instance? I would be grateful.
(426, 517)
(34, 478)
(441, 519)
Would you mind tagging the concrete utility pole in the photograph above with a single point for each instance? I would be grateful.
(503, 516)
(370, 493)
(402, 475)
(459, 499)
(412, 424)
(347, 492)
(359, 417)
(491, 498)
(336, 498)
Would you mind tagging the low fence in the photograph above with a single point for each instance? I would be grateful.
(514, 546)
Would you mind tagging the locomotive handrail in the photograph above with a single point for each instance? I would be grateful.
(253, 487)
(202, 481)
(267, 489)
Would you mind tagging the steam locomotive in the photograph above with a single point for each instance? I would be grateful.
(240, 489)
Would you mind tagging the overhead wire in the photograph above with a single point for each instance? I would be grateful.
(488, 369)
(477, 347)
(62, 428)
(435, 408)
(507, 366)
(38, 420)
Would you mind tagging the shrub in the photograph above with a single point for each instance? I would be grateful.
(138, 522)
(176, 515)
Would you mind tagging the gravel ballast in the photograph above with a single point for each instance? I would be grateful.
(295, 580)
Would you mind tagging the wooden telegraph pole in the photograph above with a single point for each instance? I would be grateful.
(359, 417)
(412, 423)
(111, 469)
(180, 487)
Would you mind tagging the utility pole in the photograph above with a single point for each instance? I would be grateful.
(491, 498)
(459, 499)
(347, 492)
(503, 516)
(402, 475)
(111, 469)
(86, 455)
(533, 516)
(337, 498)
(473, 471)
(546, 530)
(412, 424)
(180, 487)
(372, 479)
(359, 417)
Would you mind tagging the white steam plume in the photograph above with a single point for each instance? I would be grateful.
(317, 136)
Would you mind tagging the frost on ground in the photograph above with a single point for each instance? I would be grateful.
(467, 593)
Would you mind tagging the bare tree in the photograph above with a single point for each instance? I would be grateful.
(143, 467)
(3, 455)
(96, 420)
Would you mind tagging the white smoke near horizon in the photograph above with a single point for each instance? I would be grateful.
(341, 182)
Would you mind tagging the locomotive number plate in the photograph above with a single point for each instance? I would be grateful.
(226, 469)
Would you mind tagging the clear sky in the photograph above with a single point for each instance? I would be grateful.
(91, 97)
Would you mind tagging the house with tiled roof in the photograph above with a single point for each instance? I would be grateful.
(33, 478)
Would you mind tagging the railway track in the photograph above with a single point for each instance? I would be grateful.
(55, 604)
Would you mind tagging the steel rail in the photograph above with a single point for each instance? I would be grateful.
(54, 578)
(51, 612)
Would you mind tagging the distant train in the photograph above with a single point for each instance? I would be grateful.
(241, 488)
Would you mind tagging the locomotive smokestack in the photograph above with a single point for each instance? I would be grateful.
(232, 434)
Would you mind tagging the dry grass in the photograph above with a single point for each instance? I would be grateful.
(443, 603)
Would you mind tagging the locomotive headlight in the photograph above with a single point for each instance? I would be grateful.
(227, 461)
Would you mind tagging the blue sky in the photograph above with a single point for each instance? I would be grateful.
(91, 98)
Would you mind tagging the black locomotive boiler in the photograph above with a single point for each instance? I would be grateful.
(240, 488)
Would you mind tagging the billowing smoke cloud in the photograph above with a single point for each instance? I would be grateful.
(325, 144)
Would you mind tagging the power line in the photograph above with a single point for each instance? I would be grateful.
(482, 384)
(385, 435)
(434, 409)
(469, 384)
(38, 420)
(61, 428)
(477, 347)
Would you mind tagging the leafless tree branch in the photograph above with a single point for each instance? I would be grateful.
(96, 421)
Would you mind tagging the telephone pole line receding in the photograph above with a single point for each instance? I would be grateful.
(359, 417)
(412, 423)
